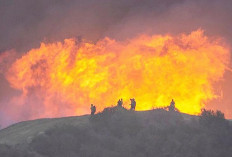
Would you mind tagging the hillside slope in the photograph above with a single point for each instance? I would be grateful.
(119, 132)
(24, 132)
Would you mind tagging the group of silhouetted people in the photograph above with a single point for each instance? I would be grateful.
(133, 103)
(119, 104)
(171, 107)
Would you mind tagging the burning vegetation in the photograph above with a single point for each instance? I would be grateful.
(65, 77)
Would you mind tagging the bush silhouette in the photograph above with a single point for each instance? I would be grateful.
(212, 119)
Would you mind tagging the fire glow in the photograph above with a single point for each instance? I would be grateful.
(67, 77)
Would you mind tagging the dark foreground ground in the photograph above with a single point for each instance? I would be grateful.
(117, 132)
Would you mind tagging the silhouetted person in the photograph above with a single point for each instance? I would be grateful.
(172, 106)
(133, 104)
(93, 109)
(120, 102)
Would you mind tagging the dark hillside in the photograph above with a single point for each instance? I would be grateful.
(118, 132)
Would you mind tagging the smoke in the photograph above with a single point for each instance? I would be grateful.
(26, 23)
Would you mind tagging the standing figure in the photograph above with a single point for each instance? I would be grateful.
(120, 102)
(93, 109)
(133, 104)
(172, 106)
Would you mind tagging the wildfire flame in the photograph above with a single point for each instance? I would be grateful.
(68, 76)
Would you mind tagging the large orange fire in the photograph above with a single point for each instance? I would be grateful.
(68, 76)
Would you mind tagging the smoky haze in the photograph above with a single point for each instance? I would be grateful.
(24, 24)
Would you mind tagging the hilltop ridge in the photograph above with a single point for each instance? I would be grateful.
(26, 130)
(120, 132)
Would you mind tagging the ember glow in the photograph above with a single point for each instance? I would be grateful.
(68, 76)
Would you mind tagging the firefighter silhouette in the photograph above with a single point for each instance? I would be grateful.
(120, 102)
(172, 106)
(93, 109)
(133, 104)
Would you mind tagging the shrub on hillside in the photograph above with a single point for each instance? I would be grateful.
(212, 119)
